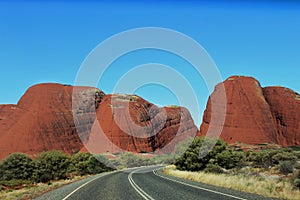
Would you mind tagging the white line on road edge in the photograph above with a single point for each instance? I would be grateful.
(86, 184)
(137, 188)
(197, 187)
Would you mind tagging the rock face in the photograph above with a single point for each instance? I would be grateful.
(255, 115)
(44, 120)
(130, 123)
(285, 107)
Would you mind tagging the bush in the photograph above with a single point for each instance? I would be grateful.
(96, 167)
(130, 160)
(86, 163)
(297, 183)
(261, 159)
(283, 156)
(79, 163)
(286, 167)
(229, 159)
(269, 158)
(16, 166)
(191, 159)
(52, 165)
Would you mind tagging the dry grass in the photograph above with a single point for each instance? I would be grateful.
(250, 184)
(35, 190)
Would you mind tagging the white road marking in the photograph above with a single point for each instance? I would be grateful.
(101, 175)
(86, 184)
(137, 188)
(197, 187)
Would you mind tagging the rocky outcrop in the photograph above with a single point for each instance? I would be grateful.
(130, 123)
(285, 108)
(42, 120)
(47, 117)
(255, 115)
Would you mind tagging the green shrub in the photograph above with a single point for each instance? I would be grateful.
(297, 183)
(131, 160)
(86, 163)
(191, 159)
(79, 163)
(96, 167)
(283, 156)
(261, 159)
(268, 158)
(16, 166)
(286, 167)
(52, 165)
(229, 159)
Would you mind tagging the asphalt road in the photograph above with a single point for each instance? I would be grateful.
(146, 183)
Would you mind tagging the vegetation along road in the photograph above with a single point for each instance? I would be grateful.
(145, 183)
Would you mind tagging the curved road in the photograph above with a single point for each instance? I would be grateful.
(145, 183)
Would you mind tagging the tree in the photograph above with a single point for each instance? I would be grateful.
(16, 166)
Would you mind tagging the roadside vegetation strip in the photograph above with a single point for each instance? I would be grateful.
(197, 187)
(265, 187)
(137, 188)
(30, 192)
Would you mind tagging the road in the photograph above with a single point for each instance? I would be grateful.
(146, 183)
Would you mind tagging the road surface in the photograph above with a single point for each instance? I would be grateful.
(146, 183)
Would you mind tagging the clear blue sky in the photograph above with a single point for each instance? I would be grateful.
(47, 42)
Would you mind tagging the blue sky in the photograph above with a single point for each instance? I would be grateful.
(47, 42)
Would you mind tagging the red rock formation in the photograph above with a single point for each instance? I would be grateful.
(44, 120)
(255, 115)
(128, 122)
(285, 107)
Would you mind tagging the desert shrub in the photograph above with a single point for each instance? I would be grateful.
(283, 156)
(268, 158)
(296, 180)
(128, 160)
(95, 166)
(192, 160)
(109, 164)
(261, 159)
(16, 166)
(52, 165)
(297, 183)
(86, 163)
(229, 159)
(286, 167)
(213, 168)
(79, 163)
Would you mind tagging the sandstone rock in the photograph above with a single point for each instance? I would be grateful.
(47, 117)
(254, 114)
(129, 123)
(285, 107)
(41, 121)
